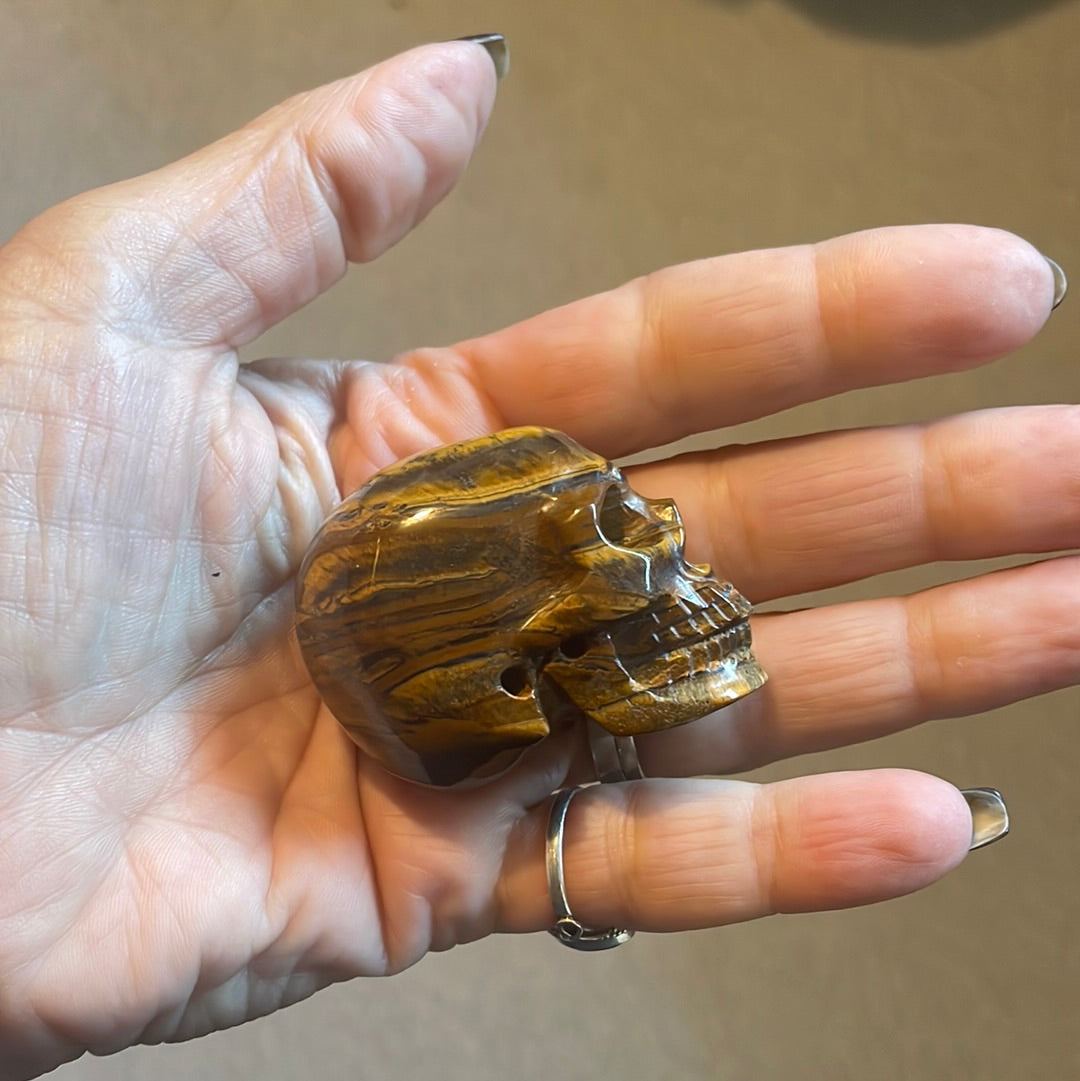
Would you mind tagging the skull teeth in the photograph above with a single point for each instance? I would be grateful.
(701, 628)
(704, 656)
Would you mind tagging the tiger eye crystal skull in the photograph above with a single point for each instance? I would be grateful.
(469, 601)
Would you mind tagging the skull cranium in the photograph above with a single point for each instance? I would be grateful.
(472, 599)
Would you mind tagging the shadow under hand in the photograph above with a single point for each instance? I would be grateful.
(916, 20)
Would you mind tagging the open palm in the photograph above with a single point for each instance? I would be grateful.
(189, 840)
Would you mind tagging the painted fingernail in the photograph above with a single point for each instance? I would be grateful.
(1061, 283)
(497, 49)
(989, 816)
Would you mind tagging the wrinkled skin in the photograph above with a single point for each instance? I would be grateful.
(189, 840)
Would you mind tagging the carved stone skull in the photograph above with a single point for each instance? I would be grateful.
(472, 599)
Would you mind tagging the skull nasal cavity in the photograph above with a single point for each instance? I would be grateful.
(617, 520)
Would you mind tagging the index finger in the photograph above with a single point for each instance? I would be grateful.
(713, 343)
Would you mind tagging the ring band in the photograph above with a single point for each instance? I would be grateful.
(615, 758)
(566, 928)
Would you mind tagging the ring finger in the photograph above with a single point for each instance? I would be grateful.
(674, 855)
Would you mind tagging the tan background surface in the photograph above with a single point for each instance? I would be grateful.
(630, 135)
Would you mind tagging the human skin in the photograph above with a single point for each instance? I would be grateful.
(189, 840)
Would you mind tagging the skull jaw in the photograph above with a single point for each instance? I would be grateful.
(654, 708)
(631, 692)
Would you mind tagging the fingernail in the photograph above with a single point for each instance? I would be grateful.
(497, 49)
(1061, 283)
(989, 816)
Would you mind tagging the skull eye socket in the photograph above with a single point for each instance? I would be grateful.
(617, 520)
(515, 681)
(575, 646)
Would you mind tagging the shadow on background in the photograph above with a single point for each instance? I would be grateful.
(915, 20)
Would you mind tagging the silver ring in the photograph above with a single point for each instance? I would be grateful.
(566, 928)
(615, 758)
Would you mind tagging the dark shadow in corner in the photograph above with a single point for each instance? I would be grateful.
(915, 20)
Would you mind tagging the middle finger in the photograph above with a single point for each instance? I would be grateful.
(853, 672)
(809, 513)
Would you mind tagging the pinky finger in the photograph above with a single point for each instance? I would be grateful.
(672, 855)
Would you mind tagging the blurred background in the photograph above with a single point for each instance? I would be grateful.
(633, 134)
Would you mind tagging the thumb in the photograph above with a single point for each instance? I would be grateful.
(219, 246)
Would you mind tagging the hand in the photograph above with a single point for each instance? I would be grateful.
(188, 840)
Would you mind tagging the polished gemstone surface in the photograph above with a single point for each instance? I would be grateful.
(471, 600)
